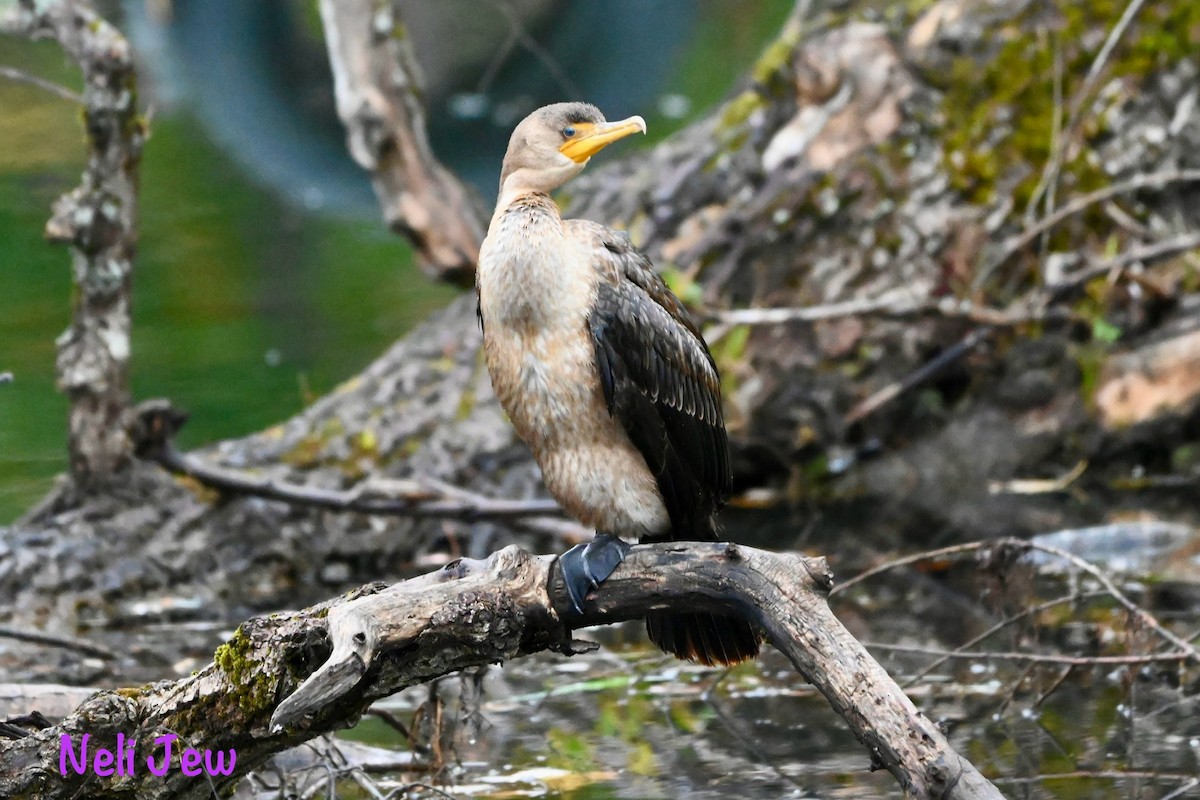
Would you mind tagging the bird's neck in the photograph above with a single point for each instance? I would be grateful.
(516, 180)
(521, 197)
(529, 271)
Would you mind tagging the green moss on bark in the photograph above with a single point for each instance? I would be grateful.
(999, 111)
(252, 691)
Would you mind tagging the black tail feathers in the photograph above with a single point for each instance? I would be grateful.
(702, 637)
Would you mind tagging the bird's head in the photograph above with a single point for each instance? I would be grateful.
(552, 145)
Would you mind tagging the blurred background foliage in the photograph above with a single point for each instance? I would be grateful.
(264, 276)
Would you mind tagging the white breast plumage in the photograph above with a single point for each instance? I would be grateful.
(536, 289)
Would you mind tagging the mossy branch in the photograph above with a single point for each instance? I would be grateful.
(287, 678)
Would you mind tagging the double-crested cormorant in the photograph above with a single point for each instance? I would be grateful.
(603, 373)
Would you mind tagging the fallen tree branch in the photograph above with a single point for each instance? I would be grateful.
(276, 683)
(64, 642)
(155, 423)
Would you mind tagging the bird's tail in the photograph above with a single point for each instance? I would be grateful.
(706, 638)
(702, 637)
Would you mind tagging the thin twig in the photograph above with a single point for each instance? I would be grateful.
(65, 642)
(1039, 485)
(1151, 252)
(392, 721)
(1059, 681)
(904, 561)
(918, 376)
(745, 738)
(900, 303)
(407, 498)
(537, 51)
(1179, 792)
(999, 626)
(1143, 616)
(1052, 167)
(1187, 650)
(1021, 240)
(1107, 774)
(1033, 658)
(499, 59)
(21, 76)
(1056, 131)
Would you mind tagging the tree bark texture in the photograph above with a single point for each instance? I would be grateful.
(289, 677)
(98, 221)
(871, 171)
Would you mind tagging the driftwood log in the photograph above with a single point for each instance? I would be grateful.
(286, 678)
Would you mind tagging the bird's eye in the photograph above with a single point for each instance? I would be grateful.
(568, 132)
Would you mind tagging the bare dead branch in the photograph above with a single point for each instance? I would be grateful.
(469, 614)
(780, 592)
(155, 423)
(64, 642)
(98, 221)
(378, 88)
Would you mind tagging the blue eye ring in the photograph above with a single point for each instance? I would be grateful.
(568, 132)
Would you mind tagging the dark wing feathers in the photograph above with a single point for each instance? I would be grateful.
(660, 381)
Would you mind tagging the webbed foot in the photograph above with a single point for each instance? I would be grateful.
(586, 566)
